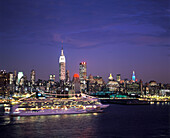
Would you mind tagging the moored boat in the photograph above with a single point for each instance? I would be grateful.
(56, 106)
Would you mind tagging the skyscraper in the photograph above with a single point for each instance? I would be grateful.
(83, 76)
(20, 75)
(118, 77)
(76, 83)
(133, 76)
(11, 78)
(52, 77)
(83, 71)
(32, 77)
(62, 66)
(67, 76)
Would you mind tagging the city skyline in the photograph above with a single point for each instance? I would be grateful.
(111, 37)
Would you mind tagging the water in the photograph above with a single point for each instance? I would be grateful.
(117, 121)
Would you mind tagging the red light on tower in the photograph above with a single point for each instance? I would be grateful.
(76, 76)
(83, 63)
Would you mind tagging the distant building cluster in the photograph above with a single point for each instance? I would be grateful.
(17, 83)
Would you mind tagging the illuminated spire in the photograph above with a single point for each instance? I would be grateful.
(62, 53)
(110, 77)
(133, 76)
(62, 65)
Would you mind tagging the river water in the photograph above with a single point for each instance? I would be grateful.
(131, 121)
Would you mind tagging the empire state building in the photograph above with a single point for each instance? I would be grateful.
(62, 66)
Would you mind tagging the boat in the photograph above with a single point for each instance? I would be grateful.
(57, 106)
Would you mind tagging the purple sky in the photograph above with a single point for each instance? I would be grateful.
(112, 36)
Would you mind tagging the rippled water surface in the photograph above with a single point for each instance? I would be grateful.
(117, 121)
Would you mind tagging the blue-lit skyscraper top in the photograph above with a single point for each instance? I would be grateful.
(133, 76)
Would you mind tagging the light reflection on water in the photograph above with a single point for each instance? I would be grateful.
(116, 121)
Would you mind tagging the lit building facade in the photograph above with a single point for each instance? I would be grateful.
(11, 78)
(32, 76)
(118, 77)
(20, 76)
(62, 66)
(83, 71)
(52, 77)
(67, 76)
(83, 75)
(76, 83)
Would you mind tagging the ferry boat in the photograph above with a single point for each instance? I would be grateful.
(57, 106)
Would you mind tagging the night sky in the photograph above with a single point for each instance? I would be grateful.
(112, 36)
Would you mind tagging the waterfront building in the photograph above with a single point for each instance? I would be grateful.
(141, 86)
(62, 66)
(3, 83)
(32, 77)
(99, 83)
(112, 85)
(90, 84)
(153, 88)
(133, 88)
(95, 84)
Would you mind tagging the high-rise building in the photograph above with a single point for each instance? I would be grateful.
(20, 75)
(76, 83)
(83, 76)
(11, 78)
(15, 76)
(118, 77)
(3, 83)
(32, 77)
(133, 76)
(62, 66)
(67, 76)
(83, 71)
(52, 77)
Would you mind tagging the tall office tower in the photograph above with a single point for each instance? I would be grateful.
(52, 77)
(118, 77)
(141, 86)
(76, 83)
(62, 66)
(110, 77)
(20, 75)
(11, 78)
(83, 76)
(133, 76)
(67, 76)
(83, 71)
(15, 77)
(32, 77)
